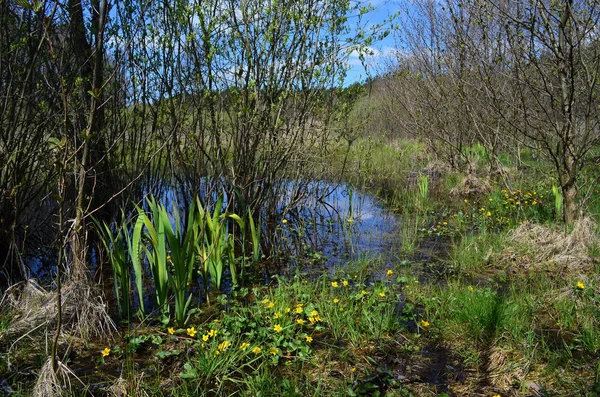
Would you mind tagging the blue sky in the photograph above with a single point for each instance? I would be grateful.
(383, 9)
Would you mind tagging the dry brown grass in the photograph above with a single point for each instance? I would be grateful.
(471, 186)
(533, 248)
(34, 309)
(127, 387)
(54, 383)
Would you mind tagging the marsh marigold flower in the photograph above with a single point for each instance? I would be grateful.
(274, 351)
(191, 331)
(390, 273)
(244, 346)
(278, 328)
(308, 338)
(334, 284)
(336, 300)
(424, 324)
(345, 283)
(300, 321)
(105, 352)
(580, 285)
(171, 330)
(256, 350)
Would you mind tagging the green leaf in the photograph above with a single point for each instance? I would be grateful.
(188, 372)
(24, 4)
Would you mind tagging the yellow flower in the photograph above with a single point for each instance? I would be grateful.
(277, 315)
(244, 346)
(105, 352)
(382, 294)
(466, 201)
(300, 321)
(256, 350)
(271, 305)
(390, 273)
(341, 309)
(363, 292)
(287, 310)
(336, 300)
(224, 345)
(345, 283)
(278, 328)
(353, 369)
(470, 288)
(334, 284)
(191, 331)
(350, 220)
(274, 351)
(168, 257)
(284, 221)
(212, 333)
(445, 223)
(489, 213)
(205, 337)
(314, 313)
(308, 339)
(424, 324)
(491, 199)
(580, 285)
(299, 310)
(265, 301)
(171, 330)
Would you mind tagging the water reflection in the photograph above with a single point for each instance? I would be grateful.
(333, 226)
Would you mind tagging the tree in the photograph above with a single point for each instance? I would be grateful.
(528, 73)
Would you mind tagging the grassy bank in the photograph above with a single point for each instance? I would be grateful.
(508, 306)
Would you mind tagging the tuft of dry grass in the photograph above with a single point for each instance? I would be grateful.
(534, 247)
(84, 313)
(123, 387)
(471, 186)
(50, 383)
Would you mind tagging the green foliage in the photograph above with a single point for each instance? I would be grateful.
(116, 247)
(156, 254)
(558, 201)
(174, 248)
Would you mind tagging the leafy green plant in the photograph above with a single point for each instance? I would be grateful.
(182, 258)
(116, 248)
(558, 201)
(157, 255)
(423, 188)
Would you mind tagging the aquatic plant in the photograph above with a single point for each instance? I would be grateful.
(116, 248)
(156, 254)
